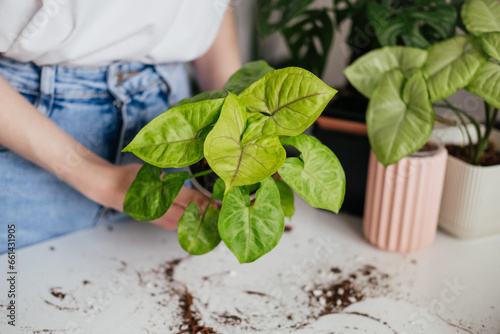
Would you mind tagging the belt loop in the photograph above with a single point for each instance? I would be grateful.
(121, 101)
(47, 89)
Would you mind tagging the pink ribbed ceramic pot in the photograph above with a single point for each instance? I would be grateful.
(402, 201)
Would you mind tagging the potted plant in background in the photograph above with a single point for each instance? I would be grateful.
(404, 85)
(308, 28)
(241, 131)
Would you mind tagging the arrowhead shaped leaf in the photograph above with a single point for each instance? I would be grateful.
(400, 117)
(291, 99)
(210, 95)
(235, 162)
(491, 44)
(246, 76)
(172, 139)
(149, 197)
(251, 231)
(365, 73)
(481, 16)
(286, 197)
(317, 176)
(197, 235)
(451, 65)
(486, 84)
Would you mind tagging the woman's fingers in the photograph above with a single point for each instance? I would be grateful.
(169, 220)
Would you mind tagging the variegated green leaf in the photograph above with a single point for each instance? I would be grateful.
(451, 65)
(240, 163)
(486, 84)
(365, 73)
(290, 100)
(251, 231)
(317, 175)
(481, 16)
(400, 117)
(173, 138)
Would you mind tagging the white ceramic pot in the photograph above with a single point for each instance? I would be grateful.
(470, 206)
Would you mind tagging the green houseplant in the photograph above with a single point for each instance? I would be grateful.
(240, 131)
(309, 28)
(404, 86)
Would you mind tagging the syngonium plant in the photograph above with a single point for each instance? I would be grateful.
(241, 131)
(404, 85)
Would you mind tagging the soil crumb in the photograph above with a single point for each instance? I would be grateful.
(56, 292)
(192, 322)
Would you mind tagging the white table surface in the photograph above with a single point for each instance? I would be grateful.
(114, 281)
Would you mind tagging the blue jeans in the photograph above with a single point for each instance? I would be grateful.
(101, 107)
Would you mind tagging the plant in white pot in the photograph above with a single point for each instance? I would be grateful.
(241, 131)
(404, 85)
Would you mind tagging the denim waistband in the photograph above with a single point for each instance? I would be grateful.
(84, 82)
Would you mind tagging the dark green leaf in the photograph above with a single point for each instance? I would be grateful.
(198, 235)
(210, 95)
(309, 40)
(246, 76)
(274, 15)
(251, 231)
(149, 197)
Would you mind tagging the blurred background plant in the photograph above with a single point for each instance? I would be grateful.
(309, 27)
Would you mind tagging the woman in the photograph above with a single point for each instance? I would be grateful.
(78, 79)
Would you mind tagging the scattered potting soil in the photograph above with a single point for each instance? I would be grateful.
(288, 228)
(192, 322)
(56, 292)
(491, 156)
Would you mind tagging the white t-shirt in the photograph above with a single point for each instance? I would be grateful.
(97, 32)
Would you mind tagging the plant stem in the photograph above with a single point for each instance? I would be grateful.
(205, 172)
(491, 115)
(462, 121)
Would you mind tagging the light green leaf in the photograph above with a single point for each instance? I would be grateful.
(251, 231)
(481, 16)
(235, 162)
(149, 197)
(491, 44)
(400, 117)
(451, 65)
(286, 197)
(317, 176)
(197, 235)
(219, 190)
(210, 95)
(290, 99)
(486, 84)
(246, 76)
(365, 73)
(172, 139)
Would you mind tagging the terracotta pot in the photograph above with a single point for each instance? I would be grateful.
(402, 201)
(470, 207)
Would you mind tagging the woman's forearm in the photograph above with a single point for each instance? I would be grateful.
(32, 135)
(222, 59)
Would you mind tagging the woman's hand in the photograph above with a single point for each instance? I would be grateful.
(118, 179)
